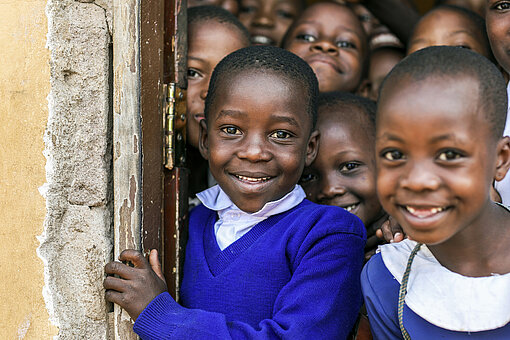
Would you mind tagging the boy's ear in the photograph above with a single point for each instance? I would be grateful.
(203, 142)
(503, 158)
(313, 147)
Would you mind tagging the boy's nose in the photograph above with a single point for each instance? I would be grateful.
(203, 93)
(420, 177)
(254, 150)
(263, 18)
(324, 46)
(329, 188)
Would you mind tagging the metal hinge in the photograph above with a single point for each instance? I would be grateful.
(174, 125)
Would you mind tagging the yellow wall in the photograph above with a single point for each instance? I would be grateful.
(24, 85)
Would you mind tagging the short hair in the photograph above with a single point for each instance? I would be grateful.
(367, 107)
(269, 60)
(477, 21)
(449, 61)
(202, 14)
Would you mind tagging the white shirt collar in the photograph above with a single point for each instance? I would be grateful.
(445, 298)
(233, 223)
(216, 199)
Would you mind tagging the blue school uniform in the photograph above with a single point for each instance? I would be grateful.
(439, 304)
(294, 275)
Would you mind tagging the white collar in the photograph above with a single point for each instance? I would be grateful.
(216, 199)
(447, 299)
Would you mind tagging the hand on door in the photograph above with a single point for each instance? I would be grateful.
(134, 287)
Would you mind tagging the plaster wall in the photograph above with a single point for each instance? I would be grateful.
(76, 242)
(24, 85)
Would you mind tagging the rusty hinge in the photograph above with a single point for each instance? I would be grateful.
(174, 125)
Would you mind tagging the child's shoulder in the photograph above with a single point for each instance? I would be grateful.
(328, 217)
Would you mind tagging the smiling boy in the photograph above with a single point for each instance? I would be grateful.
(261, 261)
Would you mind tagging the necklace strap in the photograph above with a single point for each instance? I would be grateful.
(403, 292)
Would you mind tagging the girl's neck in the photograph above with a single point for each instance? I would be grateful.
(480, 249)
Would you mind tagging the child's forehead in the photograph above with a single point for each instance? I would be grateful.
(331, 10)
(448, 16)
(432, 92)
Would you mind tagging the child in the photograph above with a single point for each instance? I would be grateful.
(212, 34)
(343, 173)
(440, 119)
(330, 38)
(498, 26)
(268, 20)
(381, 61)
(261, 261)
(230, 5)
(451, 26)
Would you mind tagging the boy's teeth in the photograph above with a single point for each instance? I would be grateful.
(252, 179)
(261, 40)
(351, 207)
(422, 213)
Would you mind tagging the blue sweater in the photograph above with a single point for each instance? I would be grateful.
(294, 275)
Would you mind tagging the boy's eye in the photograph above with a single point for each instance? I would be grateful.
(449, 155)
(345, 44)
(346, 167)
(280, 134)
(393, 155)
(192, 73)
(248, 9)
(230, 130)
(306, 37)
(365, 17)
(502, 6)
(285, 14)
(305, 178)
(464, 46)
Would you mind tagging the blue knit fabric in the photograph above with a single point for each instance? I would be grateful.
(295, 275)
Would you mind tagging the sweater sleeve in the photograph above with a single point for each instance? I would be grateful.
(321, 300)
(380, 291)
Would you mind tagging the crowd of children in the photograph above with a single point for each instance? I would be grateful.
(306, 147)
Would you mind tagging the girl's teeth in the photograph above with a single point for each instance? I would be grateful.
(424, 212)
(351, 207)
(251, 179)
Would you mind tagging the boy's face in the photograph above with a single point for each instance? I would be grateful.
(209, 42)
(268, 20)
(330, 38)
(230, 5)
(257, 138)
(436, 157)
(498, 28)
(343, 173)
(444, 27)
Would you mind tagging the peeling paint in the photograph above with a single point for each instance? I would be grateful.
(135, 144)
(23, 328)
(125, 211)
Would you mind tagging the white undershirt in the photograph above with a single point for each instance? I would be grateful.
(503, 187)
(233, 223)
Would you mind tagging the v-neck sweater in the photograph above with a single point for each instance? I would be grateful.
(294, 275)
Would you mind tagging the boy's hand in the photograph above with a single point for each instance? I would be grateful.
(390, 231)
(136, 286)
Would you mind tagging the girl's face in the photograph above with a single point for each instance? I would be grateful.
(343, 173)
(444, 27)
(209, 42)
(498, 28)
(435, 167)
(330, 38)
(268, 20)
